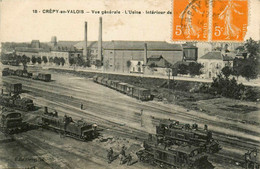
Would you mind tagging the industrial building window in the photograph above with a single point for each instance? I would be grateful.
(111, 52)
(111, 65)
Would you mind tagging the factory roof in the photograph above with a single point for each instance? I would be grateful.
(139, 45)
(188, 45)
(91, 44)
(132, 45)
(217, 55)
(27, 49)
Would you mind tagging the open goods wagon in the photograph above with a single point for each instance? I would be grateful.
(133, 91)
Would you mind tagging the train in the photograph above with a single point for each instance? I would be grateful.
(79, 130)
(16, 102)
(24, 73)
(173, 133)
(12, 122)
(169, 156)
(125, 88)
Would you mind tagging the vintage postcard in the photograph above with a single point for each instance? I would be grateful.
(129, 84)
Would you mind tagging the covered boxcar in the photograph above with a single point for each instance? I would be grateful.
(14, 87)
(95, 78)
(121, 87)
(114, 84)
(5, 72)
(129, 90)
(104, 81)
(99, 79)
(44, 77)
(141, 93)
(19, 72)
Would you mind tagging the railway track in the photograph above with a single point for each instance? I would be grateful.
(122, 130)
(136, 116)
(83, 96)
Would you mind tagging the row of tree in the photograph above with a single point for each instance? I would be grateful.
(227, 87)
(192, 68)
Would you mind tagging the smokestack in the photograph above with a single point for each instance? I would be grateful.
(85, 49)
(100, 40)
(145, 54)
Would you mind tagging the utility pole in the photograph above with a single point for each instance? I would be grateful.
(141, 115)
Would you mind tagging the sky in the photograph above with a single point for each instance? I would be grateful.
(18, 23)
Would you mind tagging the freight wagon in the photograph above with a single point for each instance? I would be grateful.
(25, 73)
(133, 91)
(15, 88)
(42, 77)
(5, 72)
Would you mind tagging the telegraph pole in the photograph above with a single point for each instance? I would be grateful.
(141, 115)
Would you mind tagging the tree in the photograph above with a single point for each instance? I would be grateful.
(71, 61)
(24, 60)
(44, 59)
(18, 59)
(28, 59)
(128, 64)
(62, 61)
(39, 60)
(249, 71)
(33, 59)
(98, 63)
(87, 63)
(226, 71)
(195, 68)
(56, 61)
(51, 60)
(252, 48)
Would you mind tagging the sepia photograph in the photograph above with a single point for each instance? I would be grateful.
(138, 84)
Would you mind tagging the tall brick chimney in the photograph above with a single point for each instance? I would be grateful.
(85, 48)
(145, 53)
(100, 40)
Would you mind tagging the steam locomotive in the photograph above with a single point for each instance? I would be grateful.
(12, 122)
(16, 102)
(174, 133)
(179, 156)
(79, 130)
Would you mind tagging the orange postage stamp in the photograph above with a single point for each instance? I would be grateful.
(229, 20)
(190, 20)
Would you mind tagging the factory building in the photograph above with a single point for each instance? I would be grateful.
(121, 56)
(61, 49)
